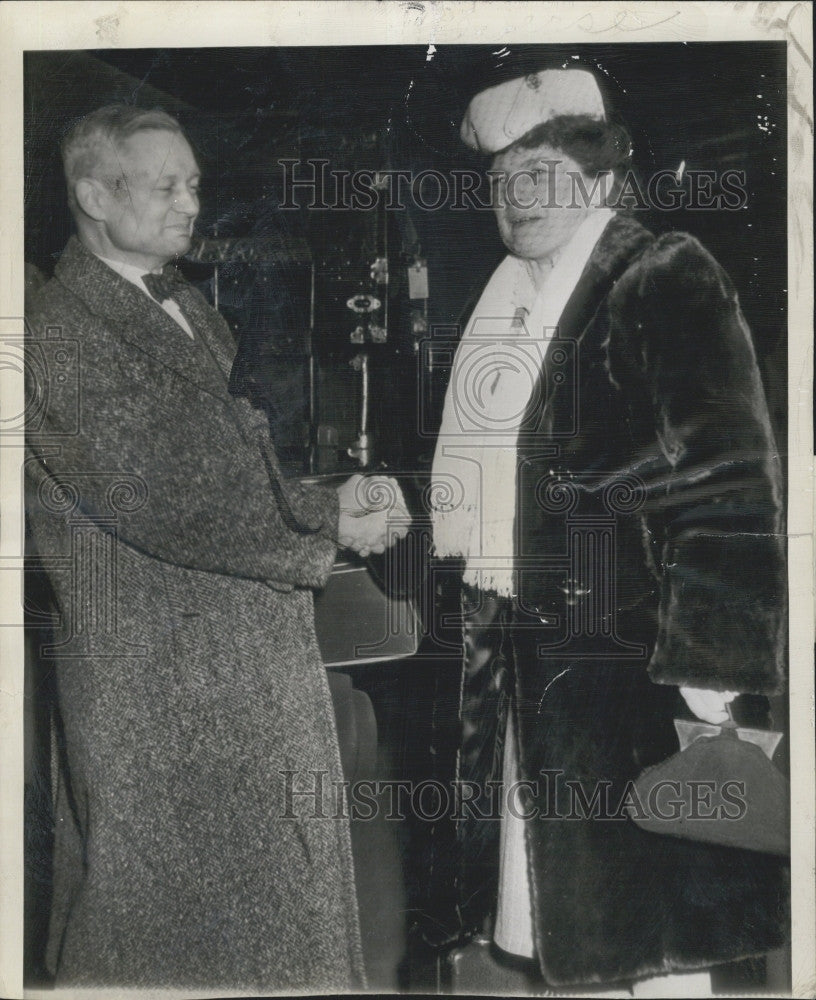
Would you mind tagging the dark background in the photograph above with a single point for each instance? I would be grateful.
(716, 106)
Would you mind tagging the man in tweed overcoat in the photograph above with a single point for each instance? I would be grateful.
(192, 699)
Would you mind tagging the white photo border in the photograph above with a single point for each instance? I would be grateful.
(180, 24)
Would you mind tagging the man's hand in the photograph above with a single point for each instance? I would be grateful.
(373, 514)
(710, 706)
(364, 534)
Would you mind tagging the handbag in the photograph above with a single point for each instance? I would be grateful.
(357, 622)
(360, 616)
(721, 788)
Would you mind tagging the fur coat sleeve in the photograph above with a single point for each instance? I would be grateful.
(681, 350)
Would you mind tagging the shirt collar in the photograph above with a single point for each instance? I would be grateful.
(129, 272)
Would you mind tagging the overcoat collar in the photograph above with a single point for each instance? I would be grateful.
(142, 322)
(619, 244)
(622, 241)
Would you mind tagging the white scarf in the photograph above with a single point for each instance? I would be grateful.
(495, 372)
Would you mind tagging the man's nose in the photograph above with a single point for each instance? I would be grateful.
(186, 203)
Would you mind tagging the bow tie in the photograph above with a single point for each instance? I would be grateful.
(163, 286)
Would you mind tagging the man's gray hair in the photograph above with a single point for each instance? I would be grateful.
(84, 148)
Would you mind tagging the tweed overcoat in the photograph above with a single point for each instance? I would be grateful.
(651, 556)
(192, 697)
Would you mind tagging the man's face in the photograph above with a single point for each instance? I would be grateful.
(149, 216)
(538, 214)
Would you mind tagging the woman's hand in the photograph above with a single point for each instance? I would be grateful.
(373, 515)
(709, 706)
(363, 533)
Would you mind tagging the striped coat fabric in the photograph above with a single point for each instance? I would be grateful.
(193, 704)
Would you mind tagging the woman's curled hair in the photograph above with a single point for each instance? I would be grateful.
(596, 145)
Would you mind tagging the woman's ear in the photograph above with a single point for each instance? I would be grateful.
(92, 197)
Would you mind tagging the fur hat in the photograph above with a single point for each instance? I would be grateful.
(497, 117)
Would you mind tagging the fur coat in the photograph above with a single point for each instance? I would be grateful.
(192, 697)
(651, 556)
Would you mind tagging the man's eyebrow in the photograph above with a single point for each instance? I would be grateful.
(175, 177)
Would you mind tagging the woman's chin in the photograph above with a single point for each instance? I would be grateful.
(529, 249)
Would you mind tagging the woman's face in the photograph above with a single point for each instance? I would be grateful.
(538, 200)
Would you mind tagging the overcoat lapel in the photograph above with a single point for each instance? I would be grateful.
(142, 322)
(621, 241)
(209, 327)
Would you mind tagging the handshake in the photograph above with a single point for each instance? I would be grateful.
(373, 515)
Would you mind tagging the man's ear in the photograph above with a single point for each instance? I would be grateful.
(92, 197)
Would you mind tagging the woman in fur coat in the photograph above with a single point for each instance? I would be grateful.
(605, 475)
